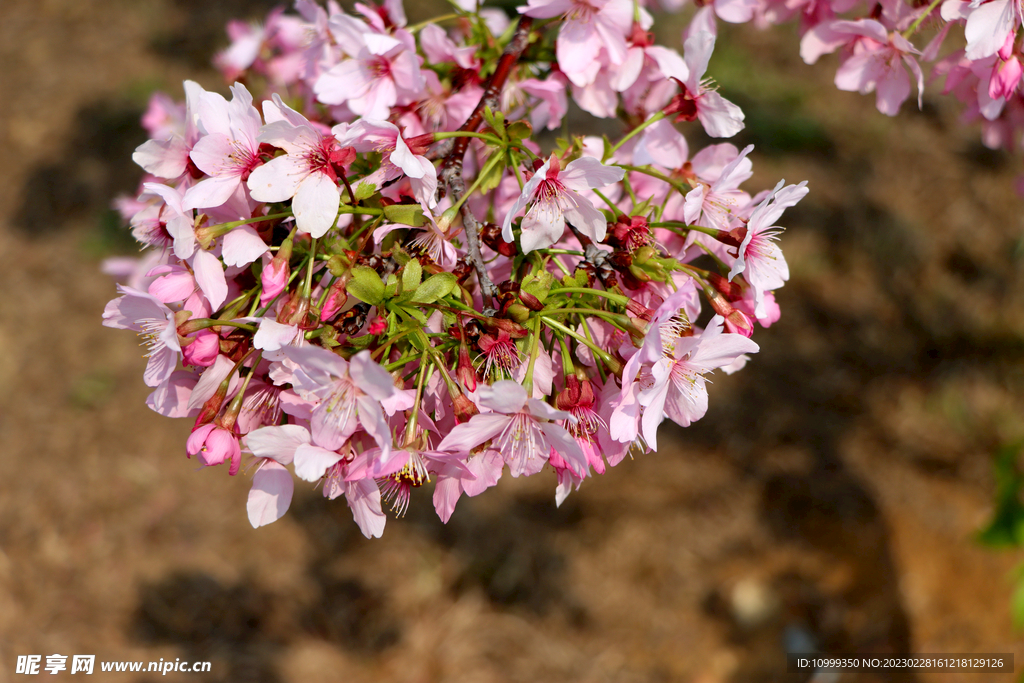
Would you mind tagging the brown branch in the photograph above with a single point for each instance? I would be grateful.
(451, 168)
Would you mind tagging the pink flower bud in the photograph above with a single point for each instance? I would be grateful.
(215, 445)
(736, 321)
(274, 279)
(1005, 79)
(378, 326)
(202, 349)
(337, 296)
(465, 371)
(1007, 49)
(464, 408)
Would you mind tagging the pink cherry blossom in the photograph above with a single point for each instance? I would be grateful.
(555, 198)
(168, 157)
(229, 151)
(155, 324)
(472, 477)
(760, 259)
(380, 71)
(398, 158)
(304, 174)
(523, 429)
(678, 389)
(699, 100)
(214, 445)
(350, 393)
(872, 62)
(715, 204)
(588, 26)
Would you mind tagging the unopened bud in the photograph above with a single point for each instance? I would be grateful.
(444, 223)
(530, 301)
(464, 408)
(731, 290)
(644, 254)
(519, 313)
(638, 274)
(735, 321)
(465, 370)
(337, 297)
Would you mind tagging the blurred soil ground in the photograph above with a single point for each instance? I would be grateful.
(833, 491)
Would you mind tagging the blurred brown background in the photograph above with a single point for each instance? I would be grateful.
(831, 495)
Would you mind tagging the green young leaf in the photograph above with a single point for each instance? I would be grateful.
(366, 285)
(406, 214)
(435, 287)
(492, 179)
(401, 256)
(364, 191)
(337, 265)
(538, 284)
(391, 288)
(412, 273)
(520, 130)
(496, 120)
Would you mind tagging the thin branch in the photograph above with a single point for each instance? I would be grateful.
(451, 168)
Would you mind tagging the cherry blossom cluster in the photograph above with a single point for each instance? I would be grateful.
(362, 270)
(877, 52)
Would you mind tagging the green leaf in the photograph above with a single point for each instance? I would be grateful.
(436, 287)
(412, 273)
(406, 214)
(364, 191)
(366, 285)
(401, 256)
(538, 284)
(392, 286)
(408, 313)
(520, 130)
(492, 179)
(337, 265)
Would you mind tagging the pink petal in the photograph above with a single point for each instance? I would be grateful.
(987, 28)
(464, 437)
(277, 443)
(363, 498)
(344, 81)
(278, 179)
(211, 192)
(578, 46)
(370, 376)
(242, 246)
(720, 117)
(315, 204)
(312, 462)
(170, 399)
(271, 494)
(162, 158)
(210, 277)
(504, 396)
(697, 51)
